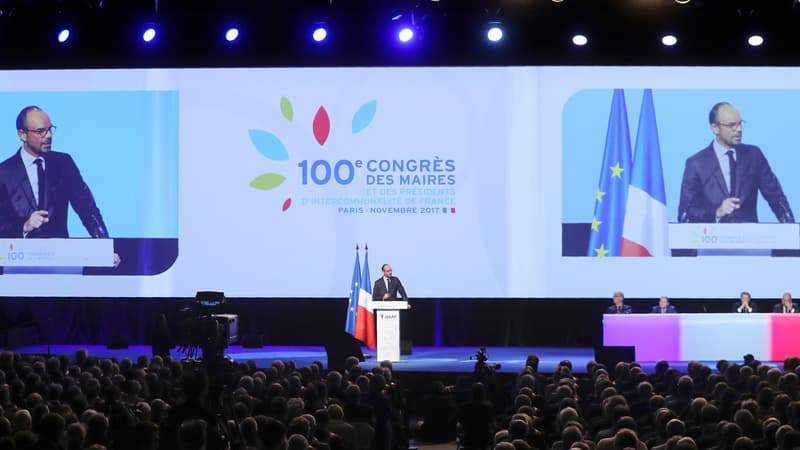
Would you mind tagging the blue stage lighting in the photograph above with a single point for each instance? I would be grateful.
(232, 34)
(494, 33)
(63, 35)
(149, 34)
(755, 40)
(406, 34)
(319, 34)
(580, 40)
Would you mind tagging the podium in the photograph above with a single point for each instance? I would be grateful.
(388, 315)
(80, 252)
(734, 239)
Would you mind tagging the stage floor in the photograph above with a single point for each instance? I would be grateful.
(422, 359)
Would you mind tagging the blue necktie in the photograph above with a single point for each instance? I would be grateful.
(732, 166)
(42, 187)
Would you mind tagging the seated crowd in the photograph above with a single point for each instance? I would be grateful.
(86, 402)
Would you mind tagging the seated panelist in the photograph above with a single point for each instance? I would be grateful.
(744, 305)
(663, 307)
(786, 306)
(619, 306)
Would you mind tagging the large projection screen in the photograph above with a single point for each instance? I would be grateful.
(470, 182)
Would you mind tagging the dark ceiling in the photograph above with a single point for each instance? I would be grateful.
(275, 33)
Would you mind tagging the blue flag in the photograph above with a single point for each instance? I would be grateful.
(612, 190)
(352, 304)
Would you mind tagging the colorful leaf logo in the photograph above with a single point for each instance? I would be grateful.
(286, 109)
(321, 125)
(363, 117)
(269, 145)
(267, 181)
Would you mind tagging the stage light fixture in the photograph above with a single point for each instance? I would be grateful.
(319, 34)
(232, 34)
(63, 36)
(495, 32)
(669, 40)
(149, 34)
(405, 35)
(580, 40)
(755, 40)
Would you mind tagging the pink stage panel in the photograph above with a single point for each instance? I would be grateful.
(655, 336)
(785, 336)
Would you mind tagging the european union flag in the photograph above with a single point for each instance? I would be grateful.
(352, 304)
(612, 190)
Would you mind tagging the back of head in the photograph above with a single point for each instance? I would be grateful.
(335, 412)
(504, 445)
(570, 435)
(521, 444)
(51, 426)
(729, 433)
(685, 386)
(709, 414)
(625, 438)
(271, 431)
(192, 434)
(501, 436)
(676, 427)
(478, 392)
(685, 443)
(743, 418)
(297, 442)
(249, 429)
(791, 440)
(626, 422)
(743, 443)
(518, 429)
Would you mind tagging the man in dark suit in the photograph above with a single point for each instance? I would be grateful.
(619, 306)
(663, 307)
(744, 305)
(721, 182)
(387, 287)
(786, 306)
(37, 185)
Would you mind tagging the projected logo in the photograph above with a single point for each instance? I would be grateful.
(318, 172)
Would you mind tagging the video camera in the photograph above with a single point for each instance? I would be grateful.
(480, 358)
(204, 328)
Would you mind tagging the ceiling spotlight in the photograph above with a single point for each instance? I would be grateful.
(755, 40)
(319, 34)
(494, 33)
(669, 40)
(405, 35)
(149, 34)
(232, 34)
(682, 2)
(63, 35)
(580, 40)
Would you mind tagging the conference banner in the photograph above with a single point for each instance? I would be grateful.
(473, 182)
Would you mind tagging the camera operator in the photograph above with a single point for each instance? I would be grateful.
(483, 372)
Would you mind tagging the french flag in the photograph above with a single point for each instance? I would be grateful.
(365, 317)
(645, 232)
